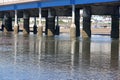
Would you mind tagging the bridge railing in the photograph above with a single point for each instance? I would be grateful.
(6, 2)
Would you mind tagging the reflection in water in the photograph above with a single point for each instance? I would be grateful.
(56, 46)
(49, 45)
(86, 52)
(74, 52)
(48, 58)
(26, 47)
(35, 45)
(74, 57)
(15, 48)
(15, 54)
(40, 48)
(114, 61)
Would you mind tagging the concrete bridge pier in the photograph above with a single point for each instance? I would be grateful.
(35, 26)
(86, 32)
(26, 29)
(57, 27)
(3, 24)
(46, 25)
(115, 22)
(77, 22)
(16, 27)
(50, 24)
(73, 26)
(7, 23)
(40, 27)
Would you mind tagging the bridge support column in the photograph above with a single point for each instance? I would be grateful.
(57, 28)
(77, 22)
(16, 28)
(26, 29)
(86, 32)
(50, 24)
(35, 26)
(7, 23)
(115, 23)
(73, 26)
(3, 24)
(40, 27)
(46, 25)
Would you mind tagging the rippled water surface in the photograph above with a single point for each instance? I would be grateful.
(58, 58)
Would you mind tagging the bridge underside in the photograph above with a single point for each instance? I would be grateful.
(97, 9)
(65, 9)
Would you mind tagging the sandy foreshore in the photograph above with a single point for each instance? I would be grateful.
(93, 30)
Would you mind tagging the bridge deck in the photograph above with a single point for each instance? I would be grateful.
(25, 4)
(9, 2)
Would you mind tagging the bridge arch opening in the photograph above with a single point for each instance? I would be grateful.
(64, 24)
(100, 25)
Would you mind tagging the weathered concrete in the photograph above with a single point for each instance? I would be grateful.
(73, 26)
(57, 27)
(86, 32)
(40, 30)
(77, 22)
(46, 25)
(72, 31)
(115, 23)
(26, 29)
(51, 26)
(35, 26)
(2, 25)
(57, 30)
(16, 27)
(7, 23)
(40, 27)
(101, 10)
(35, 29)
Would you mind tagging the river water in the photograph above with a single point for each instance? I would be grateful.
(58, 58)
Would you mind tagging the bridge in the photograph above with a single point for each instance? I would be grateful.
(51, 8)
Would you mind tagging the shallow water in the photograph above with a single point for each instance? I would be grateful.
(58, 58)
